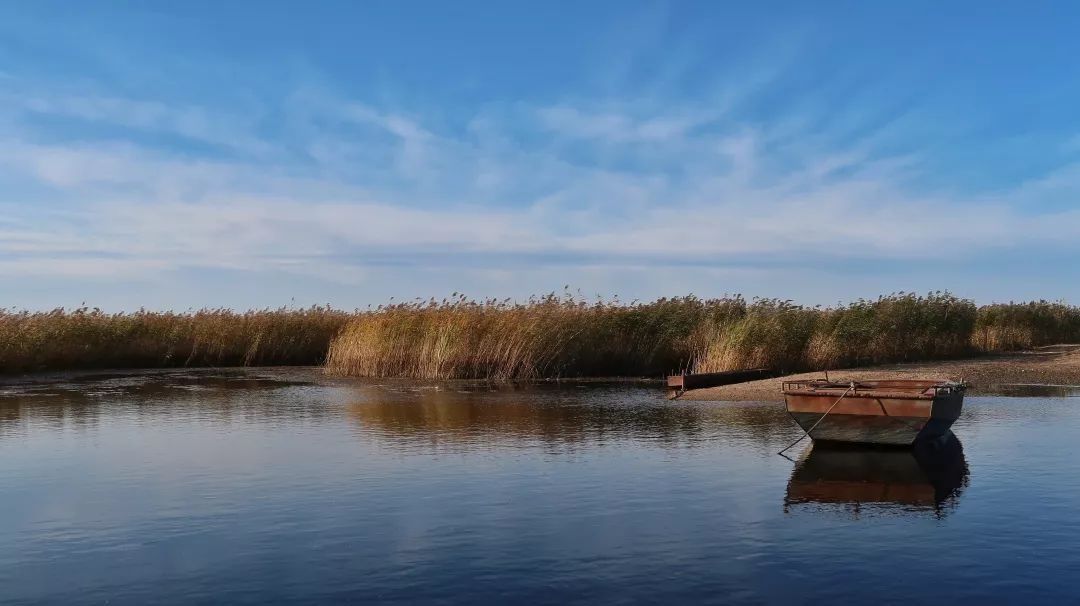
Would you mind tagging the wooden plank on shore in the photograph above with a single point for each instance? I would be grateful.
(687, 382)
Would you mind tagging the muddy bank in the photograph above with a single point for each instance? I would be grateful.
(1053, 364)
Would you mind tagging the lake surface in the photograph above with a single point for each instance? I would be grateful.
(268, 486)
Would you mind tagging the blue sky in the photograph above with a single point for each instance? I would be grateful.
(175, 155)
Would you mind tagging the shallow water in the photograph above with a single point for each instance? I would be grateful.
(270, 485)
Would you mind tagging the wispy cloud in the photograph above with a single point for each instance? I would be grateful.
(343, 185)
(615, 127)
(225, 130)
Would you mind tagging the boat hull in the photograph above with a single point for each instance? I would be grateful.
(888, 415)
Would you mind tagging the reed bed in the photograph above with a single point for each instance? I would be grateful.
(564, 337)
(90, 338)
(898, 328)
(1012, 326)
(545, 337)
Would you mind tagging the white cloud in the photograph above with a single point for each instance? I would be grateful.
(626, 187)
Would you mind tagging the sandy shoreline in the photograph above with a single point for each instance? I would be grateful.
(1050, 365)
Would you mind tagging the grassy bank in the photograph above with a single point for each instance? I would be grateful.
(90, 338)
(545, 337)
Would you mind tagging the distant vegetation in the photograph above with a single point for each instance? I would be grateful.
(89, 338)
(546, 337)
(1011, 326)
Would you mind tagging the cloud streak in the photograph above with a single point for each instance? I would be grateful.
(343, 186)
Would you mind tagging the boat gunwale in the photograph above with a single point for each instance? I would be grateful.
(894, 389)
(867, 394)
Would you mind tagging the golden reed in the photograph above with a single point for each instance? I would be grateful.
(564, 337)
(545, 337)
(89, 338)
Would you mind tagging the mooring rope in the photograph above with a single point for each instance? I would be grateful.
(849, 389)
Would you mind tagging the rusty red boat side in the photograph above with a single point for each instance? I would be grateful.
(894, 413)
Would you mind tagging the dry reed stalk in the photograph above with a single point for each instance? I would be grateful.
(546, 337)
(90, 338)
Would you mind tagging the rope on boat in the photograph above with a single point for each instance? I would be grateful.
(812, 427)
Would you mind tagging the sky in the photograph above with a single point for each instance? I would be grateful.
(176, 155)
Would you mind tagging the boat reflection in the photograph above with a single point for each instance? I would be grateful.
(859, 480)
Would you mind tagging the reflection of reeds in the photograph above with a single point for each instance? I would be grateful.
(552, 416)
(90, 338)
(227, 395)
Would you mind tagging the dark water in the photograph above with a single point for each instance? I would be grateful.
(283, 486)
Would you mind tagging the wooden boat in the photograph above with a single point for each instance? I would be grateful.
(837, 476)
(894, 413)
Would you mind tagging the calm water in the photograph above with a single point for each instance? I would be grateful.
(284, 486)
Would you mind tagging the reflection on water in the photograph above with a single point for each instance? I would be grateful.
(856, 479)
(79, 401)
(284, 485)
(482, 419)
(1033, 390)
